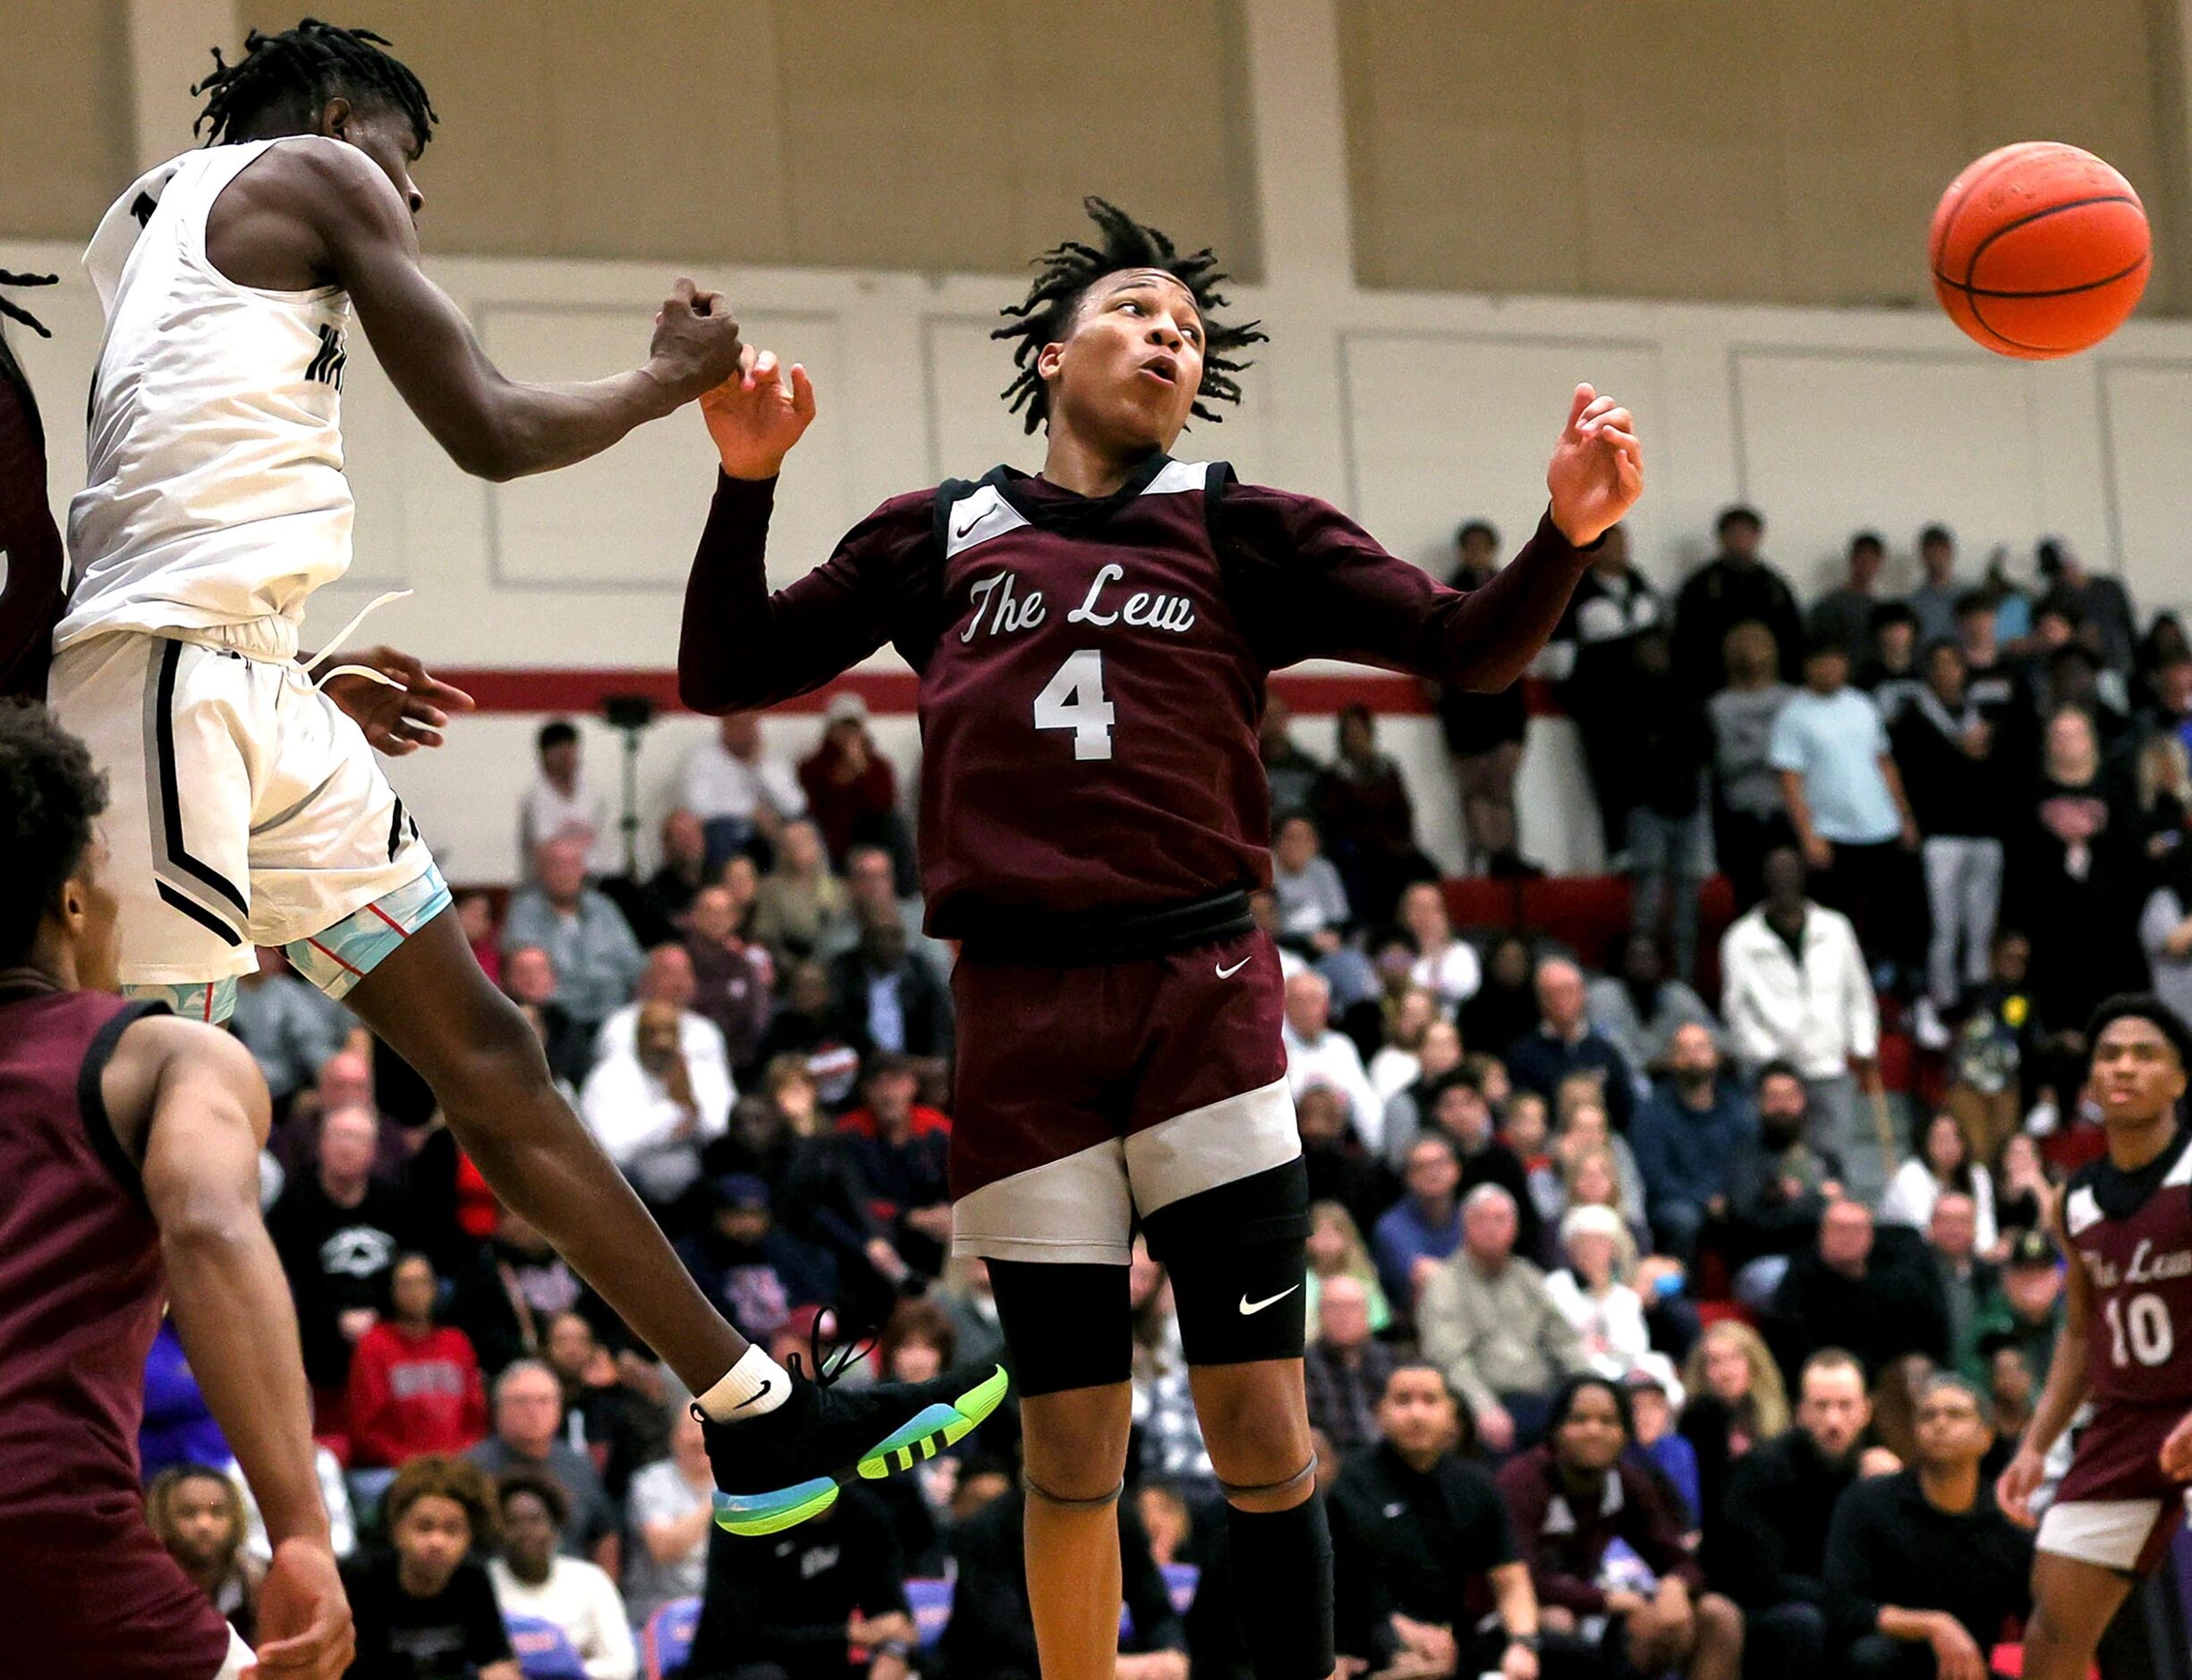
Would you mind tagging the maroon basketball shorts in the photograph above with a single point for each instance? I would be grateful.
(2115, 1508)
(1153, 1087)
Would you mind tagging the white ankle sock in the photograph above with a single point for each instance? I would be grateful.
(755, 1384)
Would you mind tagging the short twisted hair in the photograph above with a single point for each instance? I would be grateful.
(50, 795)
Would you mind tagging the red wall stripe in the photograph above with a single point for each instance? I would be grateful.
(534, 689)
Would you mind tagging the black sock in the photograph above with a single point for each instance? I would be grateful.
(1282, 1588)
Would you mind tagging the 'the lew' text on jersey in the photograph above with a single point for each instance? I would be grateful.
(1091, 669)
(2132, 1233)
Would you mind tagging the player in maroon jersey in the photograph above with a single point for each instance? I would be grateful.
(2126, 1222)
(1093, 645)
(30, 565)
(128, 1144)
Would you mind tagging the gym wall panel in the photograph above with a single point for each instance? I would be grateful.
(1467, 144)
(623, 523)
(2143, 406)
(1443, 426)
(64, 116)
(1783, 152)
(949, 136)
(1966, 449)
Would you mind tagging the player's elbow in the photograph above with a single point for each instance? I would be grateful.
(700, 688)
(482, 454)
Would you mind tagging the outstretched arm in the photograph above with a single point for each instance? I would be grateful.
(493, 426)
(743, 647)
(1324, 588)
(207, 1114)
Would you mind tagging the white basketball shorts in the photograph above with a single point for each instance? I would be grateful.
(244, 807)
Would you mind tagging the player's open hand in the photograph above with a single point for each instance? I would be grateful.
(2177, 1451)
(1597, 471)
(695, 345)
(757, 417)
(2014, 1487)
(403, 709)
(304, 1624)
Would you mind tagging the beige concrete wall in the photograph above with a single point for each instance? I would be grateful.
(64, 115)
(1785, 151)
(951, 134)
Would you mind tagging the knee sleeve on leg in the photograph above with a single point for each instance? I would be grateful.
(1067, 1326)
(1282, 1585)
(1238, 1260)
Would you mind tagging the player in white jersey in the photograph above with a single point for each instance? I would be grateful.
(246, 805)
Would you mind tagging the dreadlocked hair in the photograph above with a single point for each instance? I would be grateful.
(15, 311)
(1066, 272)
(305, 67)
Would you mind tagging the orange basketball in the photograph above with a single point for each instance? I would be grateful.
(2040, 250)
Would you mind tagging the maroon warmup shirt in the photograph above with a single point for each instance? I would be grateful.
(1092, 668)
(85, 1589)
(31, 562)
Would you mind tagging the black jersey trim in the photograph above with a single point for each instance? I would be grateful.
(91, 1097)
(2119, 1194)
(1083, 515)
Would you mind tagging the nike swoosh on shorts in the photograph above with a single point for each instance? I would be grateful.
(1249, 1307)
(1227, 973)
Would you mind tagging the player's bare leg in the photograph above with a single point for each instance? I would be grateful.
(1074, 1447)
(2072, 1605)
(433, 1005)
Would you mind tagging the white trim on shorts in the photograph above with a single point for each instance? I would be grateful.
(239, 1658)
(1079, 1210)
(2110, 1533)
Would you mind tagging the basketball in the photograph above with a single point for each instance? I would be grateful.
(2040, 250)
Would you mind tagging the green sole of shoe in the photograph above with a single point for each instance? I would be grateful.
(931, 1430)
(756, 1513)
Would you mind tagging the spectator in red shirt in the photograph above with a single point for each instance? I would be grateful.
(852, 791)
(414, 1385)
(1571, 1499)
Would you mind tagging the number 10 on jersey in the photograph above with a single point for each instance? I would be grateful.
(1074, 700)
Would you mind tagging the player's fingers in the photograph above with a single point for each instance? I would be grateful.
(447, 694)
(1598, 406)
(1612, 417)
(707, 302)
(765, 367)
(802, 393)
(1583, 399)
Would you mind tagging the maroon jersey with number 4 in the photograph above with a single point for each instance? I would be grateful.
(2132, 1233)
(1091, 668)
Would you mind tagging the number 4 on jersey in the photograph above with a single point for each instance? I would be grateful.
(1074, 700)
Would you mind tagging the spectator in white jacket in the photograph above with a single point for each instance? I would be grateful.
(1318, 1055)
(667, 979)
(653, 1109)
(1796, 989)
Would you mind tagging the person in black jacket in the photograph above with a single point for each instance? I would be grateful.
(886, 997)
(1735, 586)
(1426, 1569)
(823, 1601)
(991, 1633)
(1926, 1557)
(1779, 1183)
(1768, 1549)
(1945, 748)
(1876, 1293)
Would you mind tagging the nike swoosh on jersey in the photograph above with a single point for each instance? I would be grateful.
(1227, 973)
(1250, 1306)
(960, 535)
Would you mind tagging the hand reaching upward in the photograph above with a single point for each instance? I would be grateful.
(756, 417)
(1597, 470)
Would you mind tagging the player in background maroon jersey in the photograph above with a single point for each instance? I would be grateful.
(1093, 645)
(128, 1143)
(30, 561)
(2124, 1221)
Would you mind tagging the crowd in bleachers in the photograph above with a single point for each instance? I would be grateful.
(1688, 1272)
